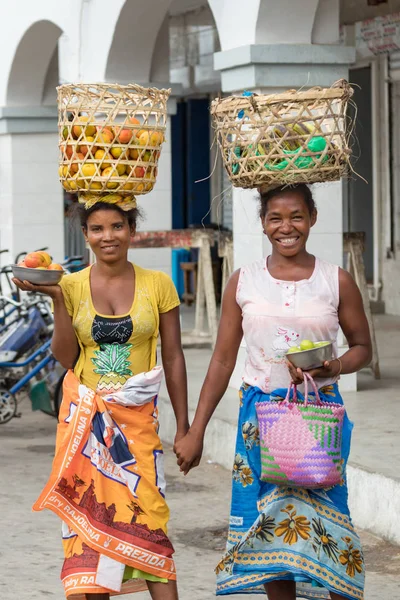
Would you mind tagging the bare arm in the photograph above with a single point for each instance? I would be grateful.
(175, 368)
(64, 344)
(355, 327)
(217, 379)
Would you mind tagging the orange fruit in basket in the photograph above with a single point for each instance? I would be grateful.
(101, 155)
(110, 172)
(75, 165)
(55, 267)
(116, 151)
(63, 171)
(156, 138)
(95, 186)
(124, 135)
(88, 169)
(144, 138)
(138, 172)
(147, 156)
(134, 153)
(105, 136)
(86, 148)
(78, 130)
(138, 187)
(75, 184)
(135, 121)
(128, 186)
(120, 169)
(69, 151)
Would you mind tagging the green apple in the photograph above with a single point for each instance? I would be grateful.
(293, 349)
(306, 345)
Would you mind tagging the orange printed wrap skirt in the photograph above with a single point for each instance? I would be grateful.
(107, 485)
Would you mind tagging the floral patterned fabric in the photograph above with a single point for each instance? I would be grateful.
(287, 533)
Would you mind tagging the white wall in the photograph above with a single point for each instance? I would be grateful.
(30, 194)
(157, 209)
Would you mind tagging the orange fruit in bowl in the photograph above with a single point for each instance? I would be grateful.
(46, 257)
(55, 267)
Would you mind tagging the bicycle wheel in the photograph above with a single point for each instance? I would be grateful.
(8, 406)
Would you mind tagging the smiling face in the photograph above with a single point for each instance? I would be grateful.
(109, 235)
(287, 222)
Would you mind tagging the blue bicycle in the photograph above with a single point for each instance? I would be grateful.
(26, 362)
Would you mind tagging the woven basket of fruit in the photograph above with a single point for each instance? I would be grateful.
(287, 138)
(110, 139)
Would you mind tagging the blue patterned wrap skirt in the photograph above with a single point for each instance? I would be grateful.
(287, 533)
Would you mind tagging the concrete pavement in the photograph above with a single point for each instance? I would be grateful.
(31, 554)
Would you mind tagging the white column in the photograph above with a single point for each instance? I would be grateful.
(31, 197)
(157, 209)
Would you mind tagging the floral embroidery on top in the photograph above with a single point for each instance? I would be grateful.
(285, 338)
(293, 527)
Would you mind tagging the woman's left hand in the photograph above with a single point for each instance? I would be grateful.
(329, 369)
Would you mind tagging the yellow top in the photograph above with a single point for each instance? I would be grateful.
(115, 347)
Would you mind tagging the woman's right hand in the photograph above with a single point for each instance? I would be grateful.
(296, 373)
(188, 451)
(54, 291)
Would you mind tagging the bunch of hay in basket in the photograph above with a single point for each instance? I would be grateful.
(286, 138)
(110, 140)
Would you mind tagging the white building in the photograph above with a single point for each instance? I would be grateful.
(203, 49)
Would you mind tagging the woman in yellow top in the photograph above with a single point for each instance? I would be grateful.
(107, 483)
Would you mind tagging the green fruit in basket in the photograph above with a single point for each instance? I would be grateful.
(293, 349)
(306, 345)
(321, 344)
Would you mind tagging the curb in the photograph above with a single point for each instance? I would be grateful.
(374, 499)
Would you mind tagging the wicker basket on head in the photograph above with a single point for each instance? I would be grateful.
(287, 138)
(110, 139)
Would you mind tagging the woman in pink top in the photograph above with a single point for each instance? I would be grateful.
(287, 542)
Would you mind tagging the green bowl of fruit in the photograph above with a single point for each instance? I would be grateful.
(310, 355)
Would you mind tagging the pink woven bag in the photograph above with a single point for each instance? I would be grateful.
(300, 442)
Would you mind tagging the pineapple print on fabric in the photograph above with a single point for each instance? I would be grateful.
(112, 359)
(112, 362)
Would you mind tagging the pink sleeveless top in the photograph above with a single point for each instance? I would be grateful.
(279, 314)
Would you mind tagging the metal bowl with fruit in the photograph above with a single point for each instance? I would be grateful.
(37, 276)
(38, 268)
(310, 355)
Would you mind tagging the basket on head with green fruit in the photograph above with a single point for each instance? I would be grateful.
(310, 355)
(284, 138)
(110, 139)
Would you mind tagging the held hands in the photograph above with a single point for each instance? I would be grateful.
(188, 450)
(330, 368)
(54, 291)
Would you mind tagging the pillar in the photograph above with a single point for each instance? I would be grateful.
(31, 199)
